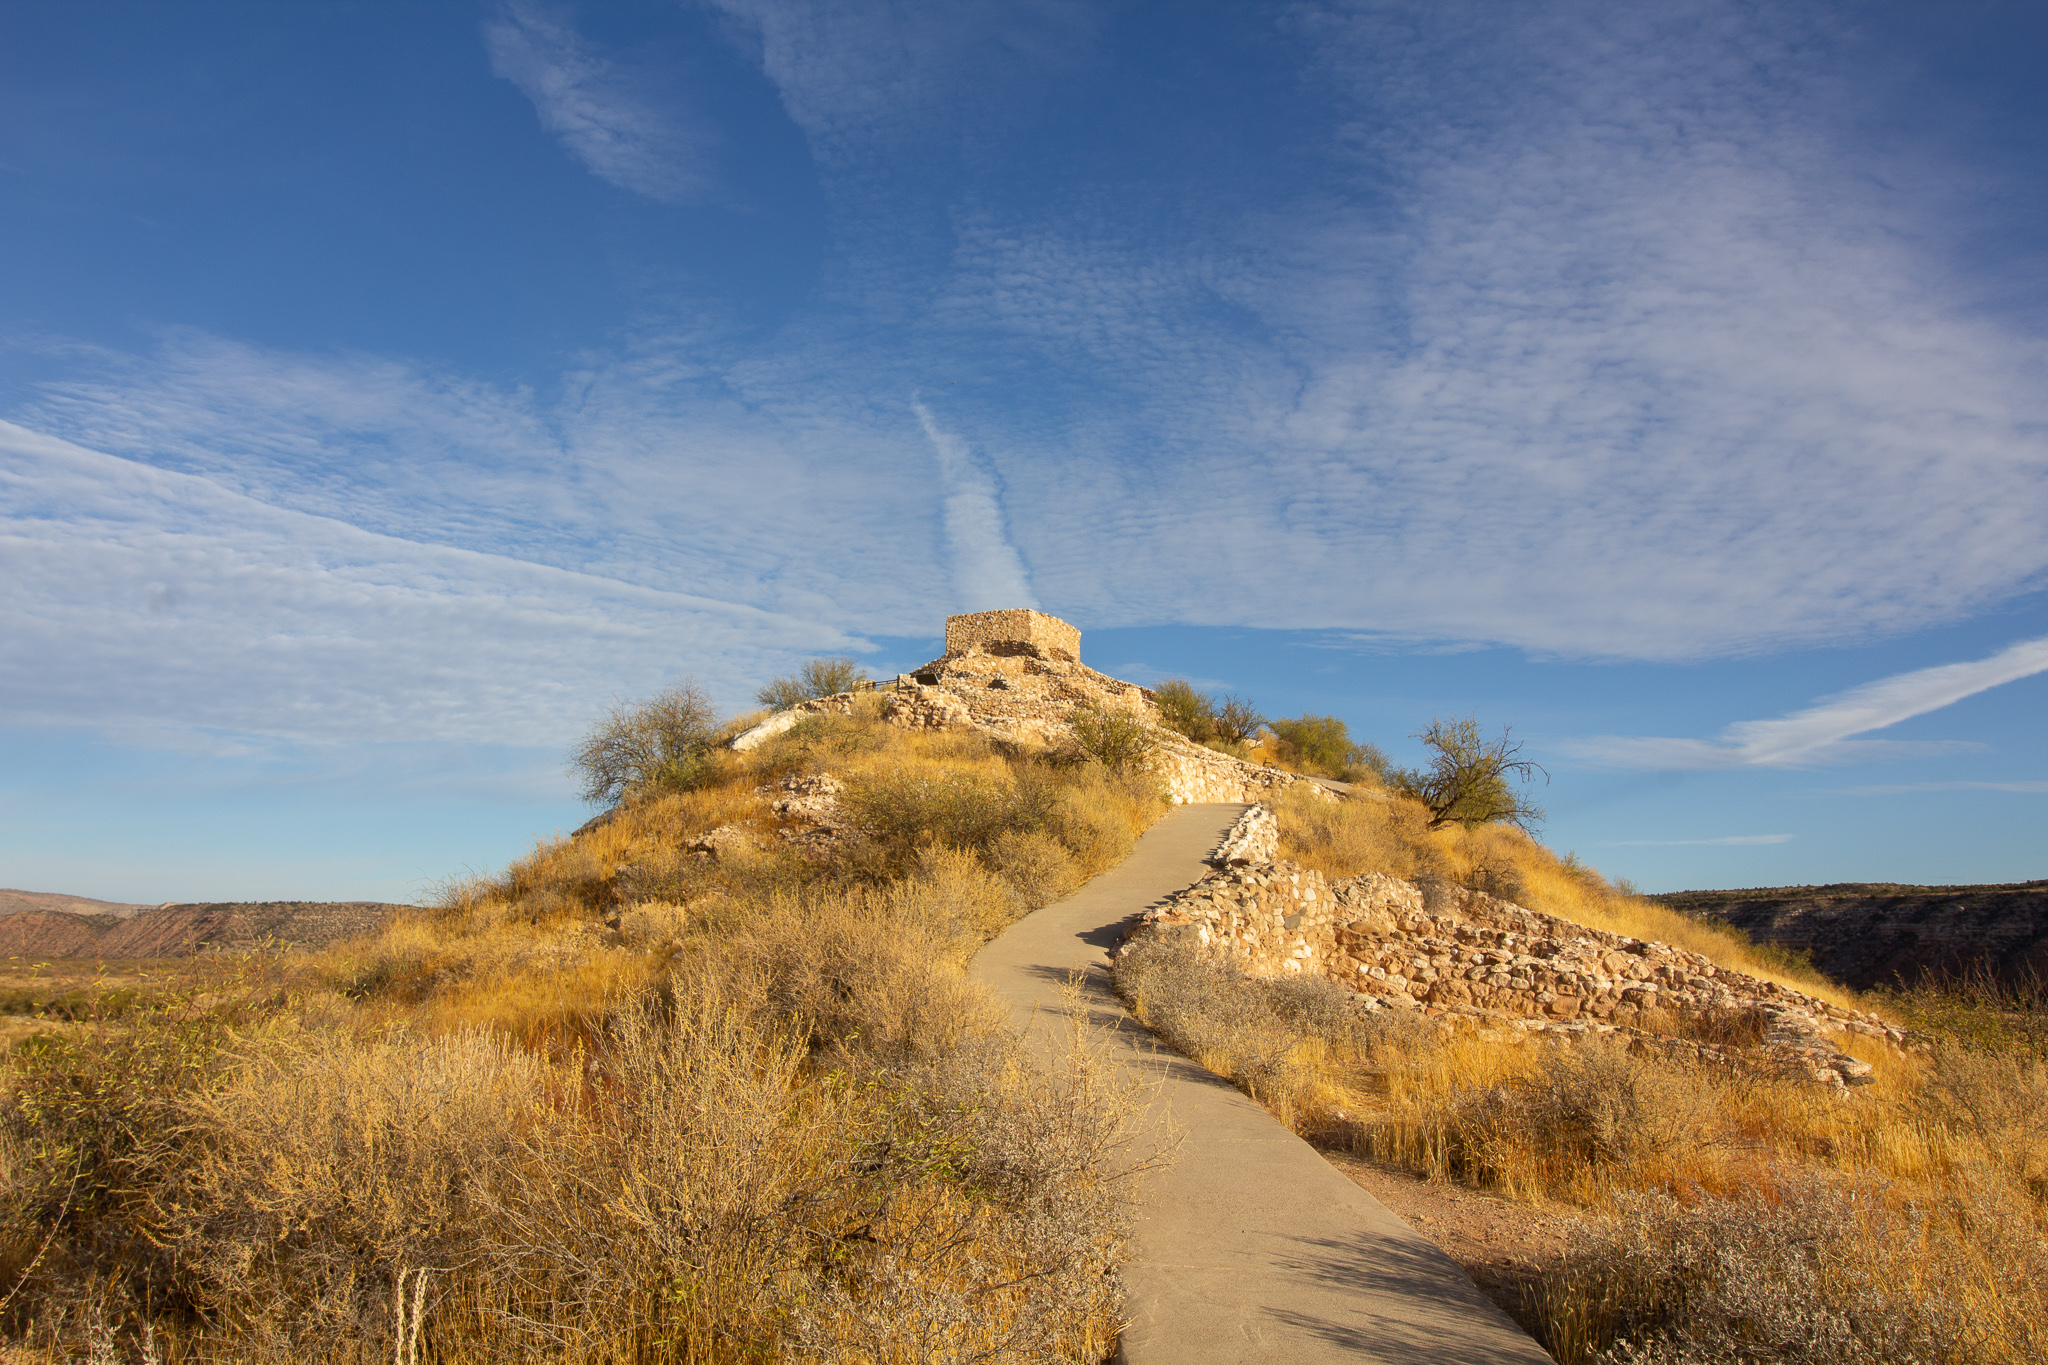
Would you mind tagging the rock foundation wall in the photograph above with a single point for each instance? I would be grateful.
(1018, 631)
(1450, 951)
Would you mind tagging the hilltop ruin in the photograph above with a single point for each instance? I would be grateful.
(1017, 675)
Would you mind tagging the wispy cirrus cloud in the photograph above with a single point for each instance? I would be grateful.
(646, 471)
(1822, 734)
(987, 572)
(1630, 357)
(597, 109)
(151, 604)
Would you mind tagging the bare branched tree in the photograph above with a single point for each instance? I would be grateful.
(660, 741)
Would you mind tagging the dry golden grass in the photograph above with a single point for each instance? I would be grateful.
(620, 1103)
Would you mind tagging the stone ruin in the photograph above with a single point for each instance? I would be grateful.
(1017, 675)
(1448, 953)
(1015, 632)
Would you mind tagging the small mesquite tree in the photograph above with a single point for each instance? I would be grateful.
(1321, 744)
(1204, 716)
(1116, 739)
(1186, 710)
(1234, 719)
(1470, 778)
(824, 677)
(661, 742)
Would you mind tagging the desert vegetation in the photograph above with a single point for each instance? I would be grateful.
(1738, 1215)
(676, 1088)
(1317, 745)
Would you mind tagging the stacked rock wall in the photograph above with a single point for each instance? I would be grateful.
(1017, 631)
(1450, 951)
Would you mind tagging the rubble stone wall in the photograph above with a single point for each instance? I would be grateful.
(1017, 631)
(1447, 950)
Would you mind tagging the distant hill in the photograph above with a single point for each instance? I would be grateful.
(1871, 934)
(181, 930)
(14, 902)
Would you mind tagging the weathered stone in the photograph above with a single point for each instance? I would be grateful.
(1478, 957)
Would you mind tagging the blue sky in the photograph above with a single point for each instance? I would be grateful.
(385, 388)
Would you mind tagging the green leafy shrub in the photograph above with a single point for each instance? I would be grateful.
(1116, 739)
(1469, 780)
(1184, 709)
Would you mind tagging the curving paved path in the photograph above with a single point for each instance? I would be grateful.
(1249, 1247)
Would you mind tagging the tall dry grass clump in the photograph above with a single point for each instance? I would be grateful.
(624, 1102)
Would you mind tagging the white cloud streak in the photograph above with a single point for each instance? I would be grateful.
(596, 110)
(987, 572)
(1822, 733)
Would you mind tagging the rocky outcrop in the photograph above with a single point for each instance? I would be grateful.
(1448, 951)
(1878, 935)
(1017, 676)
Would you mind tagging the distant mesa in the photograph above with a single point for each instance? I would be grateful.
(1879, 934)
(14, 902)
(45, 930)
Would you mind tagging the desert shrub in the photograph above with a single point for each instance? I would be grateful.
(1814, 1272)
(1039, 866)
(822, 677)
(1979, 1008)
(1186, 710)
(689, 1188)
(1316, 744)
(1112, 737)
(662, 742)
(1234, 720)
(1568, 1123)
(906, 810)
(1470, 778)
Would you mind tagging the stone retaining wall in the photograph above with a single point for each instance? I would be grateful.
(1447, 950)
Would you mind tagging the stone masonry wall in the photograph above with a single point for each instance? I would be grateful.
(1017, 631)
(1451, 951)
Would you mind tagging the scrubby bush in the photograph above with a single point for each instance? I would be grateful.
(1470, 778)
(1205, 717)
(1114, 738)
(1234, 720)
(660, 743)
(822, 677)
(1812, 1271)
(1186, 710)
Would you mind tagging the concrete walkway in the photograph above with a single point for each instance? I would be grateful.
(1249, 1247)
